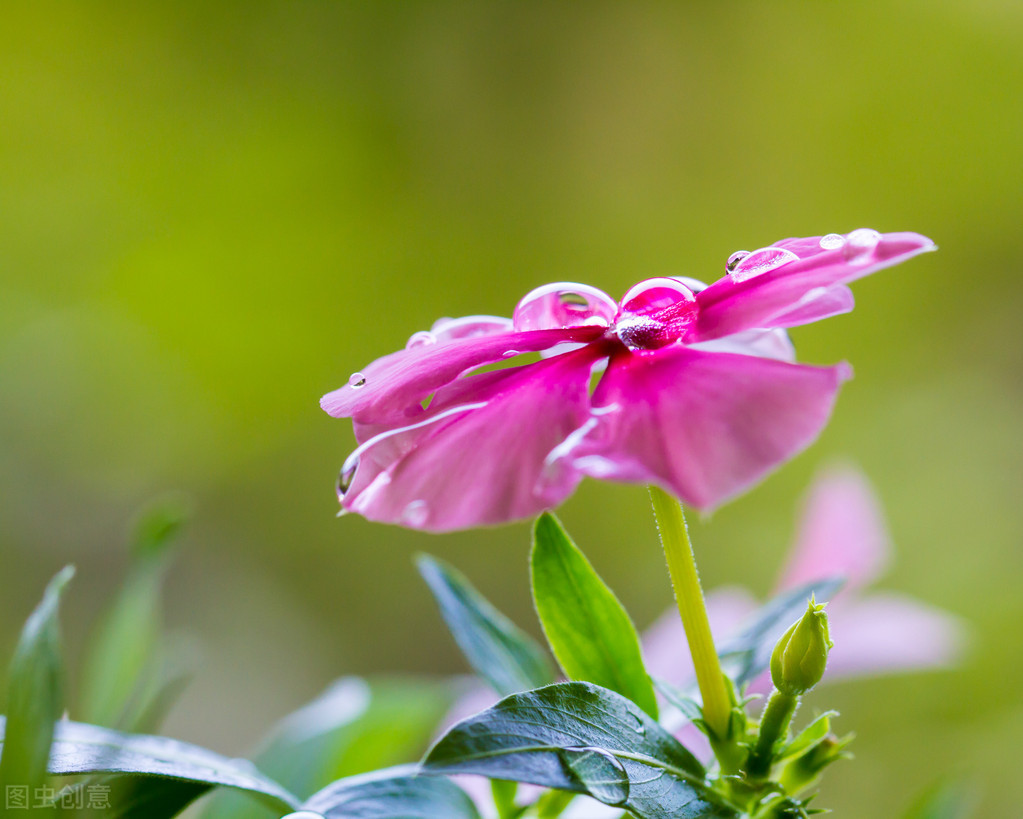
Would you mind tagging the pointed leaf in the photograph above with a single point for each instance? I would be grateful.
(124, 796)
(808, 737)
(948, 799)
(579, 737)
(390, 794)
(35, 698)
(498, 650)
(748, 653)
(588, 629)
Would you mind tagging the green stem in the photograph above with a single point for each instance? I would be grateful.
(678, 550)
(773, 725)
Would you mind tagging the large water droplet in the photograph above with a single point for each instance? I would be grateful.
(423, 338)
(735, 258)
(761, 261)
(599, 772)
(415, 514)
(563, 304)
(655, 313)
(304, 814)
(347, 475)
(451, 329)
(860, 243)
(693, 284)
(832, 241)
(356, 380)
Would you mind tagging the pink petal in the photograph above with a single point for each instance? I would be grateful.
(800, 290)
(477, 456)
(397, 383)
(887, 632)
(841, 532)
(705, 425)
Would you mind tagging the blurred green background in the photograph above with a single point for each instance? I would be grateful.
(210, 214)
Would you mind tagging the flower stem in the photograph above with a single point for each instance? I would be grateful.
(671, 524)
(773, 725)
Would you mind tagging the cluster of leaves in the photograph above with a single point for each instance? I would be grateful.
(347, 753)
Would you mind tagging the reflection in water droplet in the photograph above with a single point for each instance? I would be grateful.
(416, 513)
(450, 329)
(561, 305)
(356, 380)
(423, 338)
(832, 241)
(735, 258)
(693, 284)
(655, 313)
(347, 475)
(761, 261)
(860, 243)
(599, 772)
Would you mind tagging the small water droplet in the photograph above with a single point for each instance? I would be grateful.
(451, 329)
(356, 380)
(347, 475)
(735, 258)
(603, 775)
(415, 514)
(832, 241)
(761, 261)
(304, 814)
(654, 313)
(424, 338)
(860, 243)
(562, 305)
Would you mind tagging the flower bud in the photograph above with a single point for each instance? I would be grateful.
(798, 661)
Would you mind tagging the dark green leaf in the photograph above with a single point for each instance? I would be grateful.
(79, 748)
(393, 794)
(748, 653)
(354, 726)
(498, 650)
(130, 797)
(582, 738)
(588, 629)
(35, 698)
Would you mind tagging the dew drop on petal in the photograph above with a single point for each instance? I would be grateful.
(415, 514)
(562, 305)
(860, 243)
(424, 338)
(761, 261)
(451, 329)
(347, 475)
(599, 772)
(356, 380)
(735, 258)
(832, 241)
(654, 313)
(694, 284)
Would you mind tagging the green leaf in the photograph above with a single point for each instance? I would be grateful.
(122, 668)
(808, 737)
(949, 799)
(579, 737)
(35, 698)
(390, 794)
(588, 629)
(748, 653)
(355, 726)
(498, 650)
(130, 797)
(79, 748)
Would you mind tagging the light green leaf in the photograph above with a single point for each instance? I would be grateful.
(588, 629)
(390, 794)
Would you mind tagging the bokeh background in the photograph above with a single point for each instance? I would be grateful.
(212, 213)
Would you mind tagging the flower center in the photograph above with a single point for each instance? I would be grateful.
(655, 313)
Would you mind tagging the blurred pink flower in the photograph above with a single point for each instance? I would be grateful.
(698, 391)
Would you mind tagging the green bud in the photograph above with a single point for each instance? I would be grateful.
(798, 661)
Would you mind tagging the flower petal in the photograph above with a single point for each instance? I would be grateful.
(799, 291)
(477, 456)
(705, 425)
(841, 532)
(395, 384)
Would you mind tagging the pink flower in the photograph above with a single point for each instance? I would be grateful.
(696, 390)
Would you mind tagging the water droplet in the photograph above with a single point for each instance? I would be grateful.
(761, 261)
(451, 329)
(415, 514)
(599, 772)
(561, 305)
(860, 243)
(347, 475)
(304, 814)
(356, 380)
(693, 284)
(655, 313)
(735, 258)
(832, 241)
(423, 338)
